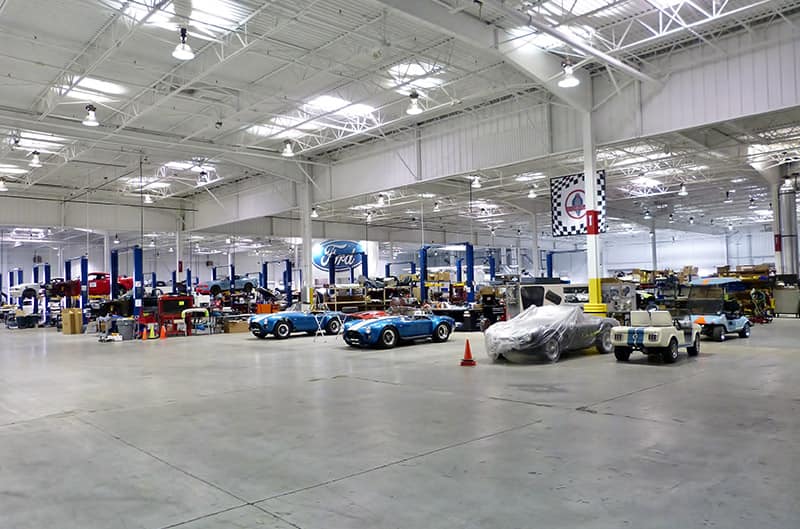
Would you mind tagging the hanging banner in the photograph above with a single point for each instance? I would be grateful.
(568, 204)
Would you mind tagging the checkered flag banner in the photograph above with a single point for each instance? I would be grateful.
(568, 204)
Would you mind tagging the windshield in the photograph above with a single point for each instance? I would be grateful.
(705, 299)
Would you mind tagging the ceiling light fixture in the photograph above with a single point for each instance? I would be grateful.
(3, 187)
(314, 213)
(35, 160)
(532, 193)
(691, 220)
(413, 104)
(436, 206)
(183, 52)
(728, 199)
(369, 216)
(148, 199)
(730, 226)
(287, 151)
(171, 249)
(381, 200)
(752, 203)
(476, 182)
(91, 117)
(569, 80)
(116, 239)
(682, 192)
(647, 215)
(671, 218)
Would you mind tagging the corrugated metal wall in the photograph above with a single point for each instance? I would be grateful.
(706, 88)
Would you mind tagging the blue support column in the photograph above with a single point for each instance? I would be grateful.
(174, 282)
(138, 280)
(264, 274)
(470, 258)
(364, 265)
(214, 273)
(459, 264)
(46, 298)
(36, 298)
(413, 268)
(492, 267)
(153, 280)
(84, 287)
(232, 277)
(114, 262)
(332, 271)
(35, 274)
(68, 277)
(549, 259)
(423, 274)
(188, 281)
(288, 281)
(388, 269)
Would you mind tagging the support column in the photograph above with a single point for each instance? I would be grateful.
(653, 248)
(776, 227)
(535, 270)
(306, 233)
(106, 252)
(179, 246)
(788, 225)
(595, 305)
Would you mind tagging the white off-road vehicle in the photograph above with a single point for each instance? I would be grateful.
(655, 333)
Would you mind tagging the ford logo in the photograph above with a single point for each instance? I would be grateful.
(346, 255)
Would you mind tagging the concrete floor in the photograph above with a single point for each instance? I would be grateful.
(234, 432)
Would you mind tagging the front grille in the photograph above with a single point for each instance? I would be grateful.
(353, 336)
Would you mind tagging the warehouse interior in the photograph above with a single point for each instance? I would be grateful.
(394, 263)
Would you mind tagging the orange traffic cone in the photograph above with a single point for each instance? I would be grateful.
(467, 360)
(163, 333)
(144, 334)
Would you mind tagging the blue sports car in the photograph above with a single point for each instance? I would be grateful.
(387, 332)
(283, 324)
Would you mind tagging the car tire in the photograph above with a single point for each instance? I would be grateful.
(333, 327)
(28, 293)
(623, 354)
(745, 332)
(282, 330)
(248, 287)
(718, 333)
(604, 345)
(670, 353)
(388, 337)
(552, 350)
(259, 334)
(694, 349)
(215, 290)
(121, 290)
(441, 333)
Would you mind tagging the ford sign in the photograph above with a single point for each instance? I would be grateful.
(345, 254)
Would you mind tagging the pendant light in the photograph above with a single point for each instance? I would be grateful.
(183, 52)
(35, 161)
(476, 182)
(413, 104)
(683, 191)
(3, 186)
(314, 213)
(91, 117)
(287, 151)
(532, 193)
(569, 80)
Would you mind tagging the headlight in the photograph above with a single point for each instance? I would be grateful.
(368, 331)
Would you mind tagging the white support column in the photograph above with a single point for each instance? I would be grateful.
(535, 270)
(106, 252)
(306, 197)
(653, 248)
(595, 305)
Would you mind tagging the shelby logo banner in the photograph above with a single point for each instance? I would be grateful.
(568, 204)
(345, 254)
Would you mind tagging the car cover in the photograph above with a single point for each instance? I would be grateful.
(531, 329)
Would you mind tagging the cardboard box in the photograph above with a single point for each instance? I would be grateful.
(71, 321)
(236, 326)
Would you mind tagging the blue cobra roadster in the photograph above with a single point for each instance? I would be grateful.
(387, 332)
(283, 324)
